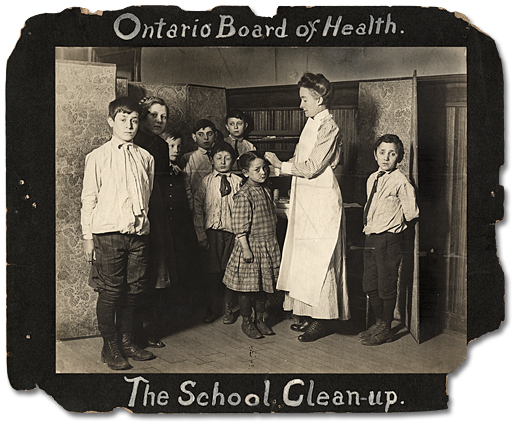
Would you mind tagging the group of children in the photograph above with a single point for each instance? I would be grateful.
(222, 186)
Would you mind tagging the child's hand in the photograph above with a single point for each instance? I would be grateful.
(204, 244)
(247, 256)
(88, 250)
(176, 169)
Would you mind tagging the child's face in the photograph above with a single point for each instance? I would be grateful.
(236, 127)
(155, 120)
(124, 125)
(222, 162)
(310, 105)
(174, 148)
(204, 138)
(386, 156)
(257, 171)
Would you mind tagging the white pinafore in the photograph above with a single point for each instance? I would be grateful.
(313, 267)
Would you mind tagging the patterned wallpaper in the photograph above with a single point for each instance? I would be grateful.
(385, 107)
(83, 92)
(187, 104)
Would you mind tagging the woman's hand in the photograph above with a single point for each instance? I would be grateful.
(273, 159)
(247, 255)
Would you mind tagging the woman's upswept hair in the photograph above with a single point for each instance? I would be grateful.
(147, 102)
(318, 84)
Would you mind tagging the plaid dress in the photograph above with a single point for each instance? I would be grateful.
(254, 216)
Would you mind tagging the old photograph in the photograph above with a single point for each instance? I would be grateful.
(196, 311)
(221, 212)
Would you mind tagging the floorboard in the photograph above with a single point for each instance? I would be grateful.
(219, 348)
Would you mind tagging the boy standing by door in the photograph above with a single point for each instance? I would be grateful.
(391, 205)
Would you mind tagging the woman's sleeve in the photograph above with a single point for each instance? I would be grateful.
(242, 215)
(327, 143)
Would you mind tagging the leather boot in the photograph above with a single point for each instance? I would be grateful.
(302, 326)
(249, 328)
(384, 335)
(229, 316)
(317, 329)
(130, 350)
(263, 327)
(374, 329)
(111, 356)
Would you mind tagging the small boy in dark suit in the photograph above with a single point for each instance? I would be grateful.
(391, 205)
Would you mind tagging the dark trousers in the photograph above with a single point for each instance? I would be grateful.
(119, 275)
(215, 262)
(382, 259)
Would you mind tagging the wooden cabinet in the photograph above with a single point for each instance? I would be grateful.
(276, 121)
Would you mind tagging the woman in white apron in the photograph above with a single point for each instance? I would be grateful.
(313, 269)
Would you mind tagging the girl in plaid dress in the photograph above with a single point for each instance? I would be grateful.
(253, 267)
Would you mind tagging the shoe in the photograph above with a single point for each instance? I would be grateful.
(374, 329)
(229, 316)
(317, 329)
(381, 337)
(249, 328)
(155, 344)
(263, 327)
(130, 350)
(301, 327)
(112, 357)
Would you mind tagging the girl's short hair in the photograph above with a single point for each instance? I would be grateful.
(391, 138)
(318, 84)
(223, 147)
(122, 104)
(146, 104)
(245, 160)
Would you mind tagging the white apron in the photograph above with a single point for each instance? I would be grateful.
(313, 230)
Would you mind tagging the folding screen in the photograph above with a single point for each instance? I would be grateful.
(389, 107)
(83, 92)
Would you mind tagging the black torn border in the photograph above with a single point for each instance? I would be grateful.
(30, 171)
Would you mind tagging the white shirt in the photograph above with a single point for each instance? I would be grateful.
(117, 185)
(393, 204)
(211, 210)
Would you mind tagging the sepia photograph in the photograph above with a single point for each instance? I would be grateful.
(308, 280)
(217, 211)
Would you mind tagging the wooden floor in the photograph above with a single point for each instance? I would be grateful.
(219, 348)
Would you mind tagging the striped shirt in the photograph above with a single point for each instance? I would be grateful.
(327, 150)
(210, 209)
(393, 203)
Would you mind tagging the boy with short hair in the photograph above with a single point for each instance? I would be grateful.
(390, 207)
(117, 185)
(237, 126)
(213, 205)
(197, 164)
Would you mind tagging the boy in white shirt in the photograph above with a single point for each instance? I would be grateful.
(117, 186)
(390, 207)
